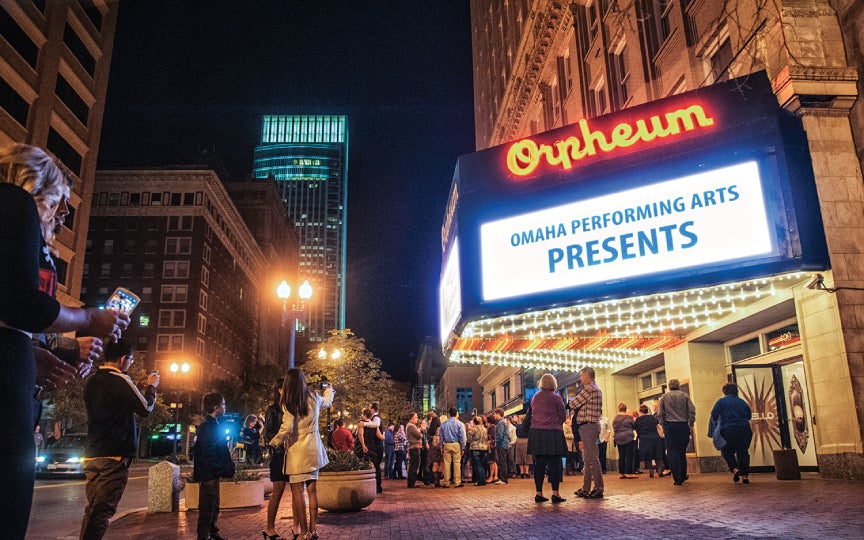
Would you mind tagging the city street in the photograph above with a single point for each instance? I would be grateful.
(58, 504)
(707, 506)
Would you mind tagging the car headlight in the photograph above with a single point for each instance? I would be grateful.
(40, 459)
(73, 459)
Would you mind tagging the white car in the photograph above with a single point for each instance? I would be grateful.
(64, 457)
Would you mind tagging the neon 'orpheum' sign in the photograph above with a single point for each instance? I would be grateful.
(525, 156)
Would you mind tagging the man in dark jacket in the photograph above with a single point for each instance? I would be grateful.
(112, 400)
(212, 462)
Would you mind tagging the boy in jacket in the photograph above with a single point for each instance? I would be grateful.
(212, 462)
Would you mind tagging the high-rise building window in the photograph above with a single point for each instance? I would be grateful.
(664, 8)
(620, 74)
(174, 294)
(18, 38)
(494, 399)
(505, 391)
(178, 245)
(172, 318)
(79, 50)
(12, 102)
(720, 61)
(175, 269)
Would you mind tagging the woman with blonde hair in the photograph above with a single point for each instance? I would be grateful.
(546, 440)
(33, 192)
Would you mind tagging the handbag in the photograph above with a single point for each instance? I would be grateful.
(719, 441)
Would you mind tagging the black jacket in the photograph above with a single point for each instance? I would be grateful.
(112, 400)
(211, 455)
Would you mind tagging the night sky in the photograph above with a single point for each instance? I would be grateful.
(196, 74)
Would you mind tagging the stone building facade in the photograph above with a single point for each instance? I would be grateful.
(543, 64)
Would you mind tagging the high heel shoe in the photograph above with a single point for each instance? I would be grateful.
(273, 536)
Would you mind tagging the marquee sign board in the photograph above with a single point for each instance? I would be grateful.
(698, 189)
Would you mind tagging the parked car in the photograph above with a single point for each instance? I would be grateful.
(64, 457)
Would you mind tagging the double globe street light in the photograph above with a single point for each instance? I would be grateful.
(294, 314)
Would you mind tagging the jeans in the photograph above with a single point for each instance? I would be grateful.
(389, 460)
(677, 439)
(478, 463)
(208, 508)
(736, 453)
(395, 471)
(106, 481)
(501, 456)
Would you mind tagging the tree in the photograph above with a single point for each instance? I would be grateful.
(357, 378)
(66, 406)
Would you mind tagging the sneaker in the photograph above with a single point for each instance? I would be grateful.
(595, 494)
(497, 482)
(581, 493)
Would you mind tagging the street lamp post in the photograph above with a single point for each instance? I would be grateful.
(176, 368)
(294, 314)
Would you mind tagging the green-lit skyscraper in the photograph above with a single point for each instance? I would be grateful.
(308, 157)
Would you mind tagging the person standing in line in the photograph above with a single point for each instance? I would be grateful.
(251, 439)
(112, 400)
(623, 427)
(305, 452)
(436, 457)
(676, 414)
(604, 441)
(502, 446)
(399, 451)
(511, 455)
(588, 405)
(414, 442)
(453, 440)
(424, 474)
(655, 408)
(389, 451)
(731, 415)
(649, 441)
(212, 461)
(546, 440)
(34, 187)
(477, 446)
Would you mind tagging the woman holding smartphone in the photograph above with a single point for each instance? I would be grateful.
(34, 187)
(304, 451)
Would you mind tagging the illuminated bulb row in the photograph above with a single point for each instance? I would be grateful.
(537, 362)
(665, 312)
(605, 356)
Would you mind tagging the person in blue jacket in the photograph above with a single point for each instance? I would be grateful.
(731, 416)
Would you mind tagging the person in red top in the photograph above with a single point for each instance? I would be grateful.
(342, 439)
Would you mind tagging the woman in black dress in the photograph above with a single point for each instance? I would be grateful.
(650, 446)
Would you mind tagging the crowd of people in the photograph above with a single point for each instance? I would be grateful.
(552, 436)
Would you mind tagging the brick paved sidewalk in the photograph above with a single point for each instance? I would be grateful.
(707, 506)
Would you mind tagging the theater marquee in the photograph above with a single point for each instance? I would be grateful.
(696, 190)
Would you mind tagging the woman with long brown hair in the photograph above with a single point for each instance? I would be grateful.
(305, 453)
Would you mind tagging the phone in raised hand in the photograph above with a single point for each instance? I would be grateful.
(122, 299)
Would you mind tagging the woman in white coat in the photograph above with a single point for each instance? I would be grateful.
(304, 451)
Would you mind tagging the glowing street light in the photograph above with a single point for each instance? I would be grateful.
(182, 368)
(283, 291)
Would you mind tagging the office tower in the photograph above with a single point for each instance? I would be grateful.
(307, 155)
(53, 78)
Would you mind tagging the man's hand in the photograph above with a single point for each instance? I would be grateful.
(51, 372)
(89, 349)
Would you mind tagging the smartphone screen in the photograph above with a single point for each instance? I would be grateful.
(122, 300)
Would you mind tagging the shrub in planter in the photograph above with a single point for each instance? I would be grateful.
(242, 490)
(346, 484)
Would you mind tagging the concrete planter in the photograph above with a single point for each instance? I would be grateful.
(346, 491)
(231, 494)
